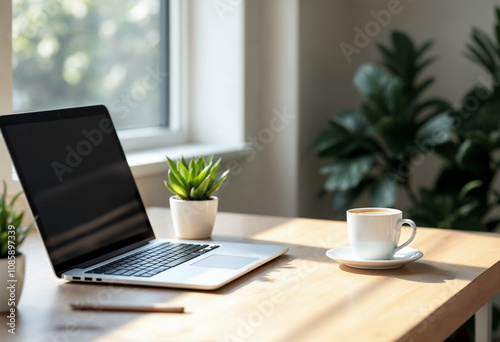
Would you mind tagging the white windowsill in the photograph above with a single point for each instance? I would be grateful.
(153, 161)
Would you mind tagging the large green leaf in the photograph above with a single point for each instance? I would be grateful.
(331, 137)
(382, 90)
(398, 136)
(384, 192)
(347, 173)
(436, 130)
(353, 121)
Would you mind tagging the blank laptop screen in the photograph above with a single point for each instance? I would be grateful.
(77, 181)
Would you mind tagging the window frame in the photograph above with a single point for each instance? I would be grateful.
(139, 139)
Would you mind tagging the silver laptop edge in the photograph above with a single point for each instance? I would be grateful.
(186, 274)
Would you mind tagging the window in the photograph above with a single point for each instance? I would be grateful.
(81, 52)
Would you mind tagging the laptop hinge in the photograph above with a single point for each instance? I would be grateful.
(110, 255)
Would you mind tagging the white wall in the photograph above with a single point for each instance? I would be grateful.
(255, 86)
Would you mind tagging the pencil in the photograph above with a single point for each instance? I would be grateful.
(127, 307)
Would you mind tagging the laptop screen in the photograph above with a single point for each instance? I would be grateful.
(77, 182)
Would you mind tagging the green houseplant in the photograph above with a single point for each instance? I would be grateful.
(193, 206)
(463, 196)
(372, 148)
(12, 262)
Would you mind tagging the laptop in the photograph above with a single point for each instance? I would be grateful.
(89, 213)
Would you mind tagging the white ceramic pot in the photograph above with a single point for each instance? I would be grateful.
(193, 220)
(11, 287)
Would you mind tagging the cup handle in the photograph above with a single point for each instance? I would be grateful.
(413, 233)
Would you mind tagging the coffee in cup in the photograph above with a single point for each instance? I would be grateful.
(374, 232)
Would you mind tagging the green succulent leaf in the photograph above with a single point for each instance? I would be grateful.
(184, 162)
(194, 181)
(175, 170)
(210, 159)
(199, 192)
(213, 172)
(217, 184)
(184, 172)
(170, 187)
(203, 174)
(200, 164)
(176, 185)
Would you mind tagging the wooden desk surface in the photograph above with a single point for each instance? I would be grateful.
(302, 296)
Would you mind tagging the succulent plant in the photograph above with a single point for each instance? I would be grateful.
(9, 217)
(195, 181)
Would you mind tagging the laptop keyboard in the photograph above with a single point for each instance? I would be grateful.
(151, 261)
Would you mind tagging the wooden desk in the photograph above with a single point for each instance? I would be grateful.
(302, 296)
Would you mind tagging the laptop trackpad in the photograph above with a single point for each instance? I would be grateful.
(224, 261)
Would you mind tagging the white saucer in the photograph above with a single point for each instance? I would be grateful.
(346, 256)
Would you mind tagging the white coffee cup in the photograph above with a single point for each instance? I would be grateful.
(374, 232)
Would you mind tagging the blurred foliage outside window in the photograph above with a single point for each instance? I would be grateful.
(81, 52)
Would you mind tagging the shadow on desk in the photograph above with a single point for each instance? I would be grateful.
(421, 271)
